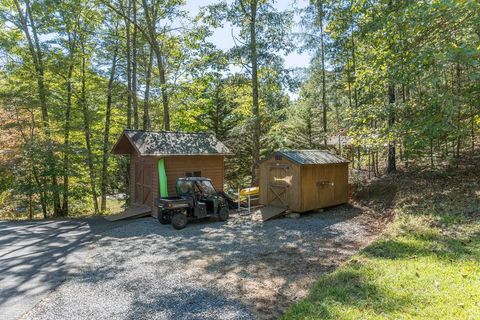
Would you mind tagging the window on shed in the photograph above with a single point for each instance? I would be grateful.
(193, 174)
(278, 157)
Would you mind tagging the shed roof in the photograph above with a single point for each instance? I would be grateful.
(311, 156)
(153, 143)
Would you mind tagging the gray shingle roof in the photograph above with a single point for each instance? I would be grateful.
(176, 143)
(311, 156)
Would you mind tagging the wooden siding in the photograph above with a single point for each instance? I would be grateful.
(141, 180)
(210, 166)
(309, 186)
(279, 172)
(323, 185)
(175, 167)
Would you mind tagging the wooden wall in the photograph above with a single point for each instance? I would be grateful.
(212, 167)
(175, 167)
(309, 187)
(279, 172)
(143, 172)
(323, 185)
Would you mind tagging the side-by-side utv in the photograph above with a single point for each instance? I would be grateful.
(196, 199)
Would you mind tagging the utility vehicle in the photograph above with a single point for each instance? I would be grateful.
(196, 199)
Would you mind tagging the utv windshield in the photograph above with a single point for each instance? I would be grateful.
(184, 187)
(207, 187)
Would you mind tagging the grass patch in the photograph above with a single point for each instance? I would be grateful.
(425, 266)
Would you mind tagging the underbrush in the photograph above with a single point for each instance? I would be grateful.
(78, 209)
(425, 265)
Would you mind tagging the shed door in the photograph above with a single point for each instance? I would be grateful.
(143, 182)
(278, 185)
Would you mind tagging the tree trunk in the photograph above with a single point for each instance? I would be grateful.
(163, 90)
(324, 80)
(472, 124)
(152, 37)
(86, 127)
(40, 184)
(146, 99)
(216, 120)
(66, 139)
(391, 167)
(129, 67)
(151, 21)
(369, 165)
(255, 102)
(30, 196)
(459, 106)
(36, 54)
(432, 163)
(106, 135)
(134, 67)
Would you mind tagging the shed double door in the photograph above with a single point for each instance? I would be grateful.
(143, 182)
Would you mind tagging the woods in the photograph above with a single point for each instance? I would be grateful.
(390, 84)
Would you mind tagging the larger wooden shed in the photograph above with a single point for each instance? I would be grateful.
(303, 180)
(158, 159)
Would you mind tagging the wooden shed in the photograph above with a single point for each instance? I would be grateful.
(303, 180)
(158, 159)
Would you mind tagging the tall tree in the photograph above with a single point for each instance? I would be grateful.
(87, 125)
(320, 20)
(146, 97)
(106, 133)
(264, 34)
(134, 65)
(28, 25)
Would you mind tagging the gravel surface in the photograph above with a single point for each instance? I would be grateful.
(239, 269)
(35, 258)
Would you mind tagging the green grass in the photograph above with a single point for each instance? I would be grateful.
(425, 266)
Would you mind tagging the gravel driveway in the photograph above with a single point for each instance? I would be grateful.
(34, 258)
(239, 269)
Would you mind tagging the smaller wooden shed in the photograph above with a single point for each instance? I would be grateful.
(303, 180)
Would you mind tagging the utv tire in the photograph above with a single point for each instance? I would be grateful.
(223, 214)
(163, 219)
(179, 221)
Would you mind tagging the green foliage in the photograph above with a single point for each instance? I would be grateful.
(427, 51)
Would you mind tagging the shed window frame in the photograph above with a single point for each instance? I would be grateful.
(189, 174)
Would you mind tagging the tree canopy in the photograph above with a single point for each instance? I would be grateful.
(390, 83)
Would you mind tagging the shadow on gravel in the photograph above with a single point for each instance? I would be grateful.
(33, 259)
(188, 304)
(264, 265)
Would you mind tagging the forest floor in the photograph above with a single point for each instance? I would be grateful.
(427, 263)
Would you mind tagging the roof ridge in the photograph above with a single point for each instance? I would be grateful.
(151, 131)
(302, 150)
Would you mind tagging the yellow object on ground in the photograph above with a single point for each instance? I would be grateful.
(250, 191)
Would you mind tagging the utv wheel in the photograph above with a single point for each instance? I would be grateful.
(179, 221)
(163, 219)
(223, 214)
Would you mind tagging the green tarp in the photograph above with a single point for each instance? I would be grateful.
(162, 178)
